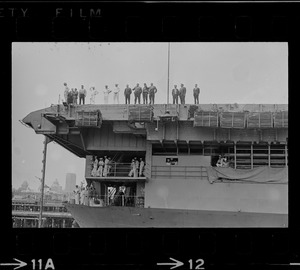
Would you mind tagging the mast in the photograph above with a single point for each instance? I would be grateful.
(168, 72)
(46, 141)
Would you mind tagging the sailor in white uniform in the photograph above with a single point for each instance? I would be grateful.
(94, 92)
(77, 195)
(95, 167)
(142, 164)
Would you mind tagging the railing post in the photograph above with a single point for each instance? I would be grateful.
(286, 154)
(251, 153)
(234, 155)
(269, 154)
(115, 169)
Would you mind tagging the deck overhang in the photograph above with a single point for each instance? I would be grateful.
(126, 127)
(118, 179)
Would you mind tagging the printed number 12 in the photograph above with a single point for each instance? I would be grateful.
(198, 266)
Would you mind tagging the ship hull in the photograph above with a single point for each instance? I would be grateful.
(127, 217)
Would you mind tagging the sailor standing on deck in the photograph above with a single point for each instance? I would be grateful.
(225, 163)
(91, 195)
(93, 95)
(70, 96)
(116, 94)
(152, 92)
(220, 161)
(175, 94)
(182, 93)
(137, 93)
(75, 96)
(142, 164)
(196, 92)
(100, 167)
(136, 171)
(131, 173)
(86, 196)
(145, 94)
(66, 92)
(127, 93)
(109, 166)
(106, 93)
(77, 195)
(82, 195)
(95, 167)
(105, 170)
(82, 95)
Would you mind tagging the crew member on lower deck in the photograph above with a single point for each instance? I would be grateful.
(136, 171)
(142, 164)
(82, 196)
(219, 162)
(105, 170)
(95, 167)
(132, 168)
(77, 195)
(100, 168)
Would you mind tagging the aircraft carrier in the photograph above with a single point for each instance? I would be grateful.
(181, 186)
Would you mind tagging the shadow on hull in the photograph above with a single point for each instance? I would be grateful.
(128, 217)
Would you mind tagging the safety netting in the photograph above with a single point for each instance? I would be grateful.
(258, 175)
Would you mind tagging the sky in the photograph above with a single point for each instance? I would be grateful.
(244, 72)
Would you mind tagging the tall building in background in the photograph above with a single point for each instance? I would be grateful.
(56, 186)
(70, 182)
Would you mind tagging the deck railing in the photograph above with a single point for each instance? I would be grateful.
(115, 169)
(179, 172)
(36, 208)
(117, 200)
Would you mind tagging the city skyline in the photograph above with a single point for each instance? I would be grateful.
(49, 184)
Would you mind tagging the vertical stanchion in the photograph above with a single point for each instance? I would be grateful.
(43, 181)
(286, 154)
(168, 73)
(251, 157)
(234, 155)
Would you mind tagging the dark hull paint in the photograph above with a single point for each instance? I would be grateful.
(125, 217)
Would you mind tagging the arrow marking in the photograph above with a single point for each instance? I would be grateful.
(175, 263)
(19, 264)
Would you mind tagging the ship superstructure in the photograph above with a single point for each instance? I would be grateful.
(180, 145)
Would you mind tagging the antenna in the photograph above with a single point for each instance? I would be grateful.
(168, 72)
(46, 141)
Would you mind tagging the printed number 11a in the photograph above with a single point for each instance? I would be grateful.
(199, 264)
(48, 265)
